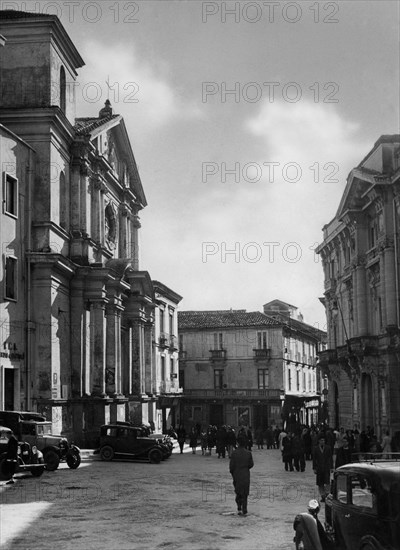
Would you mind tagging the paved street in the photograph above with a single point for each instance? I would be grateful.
(185, 502)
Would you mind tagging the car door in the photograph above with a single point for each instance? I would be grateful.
(127, 441)
(340, 516)
(362, 510)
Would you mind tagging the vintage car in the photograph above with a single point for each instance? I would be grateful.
(33, 428)
(29, 458)
(164, 441)
(363, 510)
(122, 440)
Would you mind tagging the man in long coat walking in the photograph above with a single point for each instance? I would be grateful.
(322, 465)
(239, 466)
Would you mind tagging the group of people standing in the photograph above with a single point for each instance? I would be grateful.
(328, 448)
(223, 438)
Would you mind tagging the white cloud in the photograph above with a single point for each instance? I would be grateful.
(273, 226)
(135, 88)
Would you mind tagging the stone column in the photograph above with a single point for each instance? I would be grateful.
(86, 351)
(124, 234)
(85, 202)
(97, 348)
(96, 209)
(75, 181)
(135, 226)
(137, 363)
(148, 363)
(390, 286)
(76, 334)
(113, 351)
(361, 300)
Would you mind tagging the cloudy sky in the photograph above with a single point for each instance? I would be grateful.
(245, 119)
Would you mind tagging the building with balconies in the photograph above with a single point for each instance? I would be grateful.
(361, 266)
(236, 368)
(166, 361)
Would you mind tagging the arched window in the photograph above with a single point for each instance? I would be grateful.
(63, 86)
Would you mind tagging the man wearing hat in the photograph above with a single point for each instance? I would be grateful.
(322, 466)
(240, 465)
(309, 530)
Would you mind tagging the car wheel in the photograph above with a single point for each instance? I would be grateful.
(106, 453)
(52, 460)
(5, 473)
(155, 456)
(37, 472)
(74, 460)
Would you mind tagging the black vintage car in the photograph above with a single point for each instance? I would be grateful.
(125, 441)
(363, 510)
(29, 458)
(33, 428)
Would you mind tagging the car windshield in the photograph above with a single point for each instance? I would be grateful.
(44, 429)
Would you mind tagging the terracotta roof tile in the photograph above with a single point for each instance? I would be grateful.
(83, 126)
(17, 14)
(223, 319)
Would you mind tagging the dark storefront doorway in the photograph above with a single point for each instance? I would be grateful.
(260, 416)
(8, 389)
(216, 415)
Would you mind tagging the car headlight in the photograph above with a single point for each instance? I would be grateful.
(64, 444)
(34, 449)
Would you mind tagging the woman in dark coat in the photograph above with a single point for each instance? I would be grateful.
(193, 440)
(239, 466)
(287, 452)
(181, 433)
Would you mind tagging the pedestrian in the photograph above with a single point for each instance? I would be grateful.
(220, 441)
(11, 456)
(259, 438)
(287, 452)
(230, 441)
(281, 437)
(343, 455)
(310, 534)
(249, 434)
(306, 436)
(181, 433)
(193, 439)
(210, 438)
(322, 466)
(298, 451)
(386, 446)
(269, 438)
(203, 442)
(240, 465)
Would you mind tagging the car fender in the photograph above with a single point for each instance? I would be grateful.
(52, 448)
(75, 450)
(369, 542)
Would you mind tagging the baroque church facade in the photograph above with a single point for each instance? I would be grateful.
(360, 257)
(78, 330)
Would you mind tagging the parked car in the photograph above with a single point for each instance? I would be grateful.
(122, 440)
(34, 429)
(164, 442)
(29, 457)
(363, 510)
